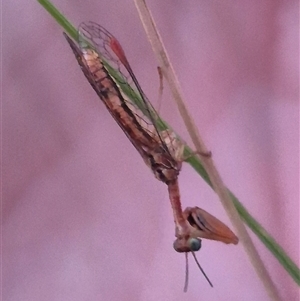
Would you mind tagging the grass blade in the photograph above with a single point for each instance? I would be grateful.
(249, 220)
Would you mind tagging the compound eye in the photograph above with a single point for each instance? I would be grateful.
(194, 244)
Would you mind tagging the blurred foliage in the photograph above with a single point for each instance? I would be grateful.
(249, 220)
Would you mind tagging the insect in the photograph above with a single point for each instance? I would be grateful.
(99, 54)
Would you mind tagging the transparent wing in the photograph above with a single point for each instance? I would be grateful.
(108, 47)
(133, 123)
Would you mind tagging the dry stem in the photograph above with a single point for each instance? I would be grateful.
(218, 185)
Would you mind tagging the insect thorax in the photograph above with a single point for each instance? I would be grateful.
(164, 167)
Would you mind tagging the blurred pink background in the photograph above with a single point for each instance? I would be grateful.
(83, 217)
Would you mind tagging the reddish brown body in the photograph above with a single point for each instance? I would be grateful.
(161, 150)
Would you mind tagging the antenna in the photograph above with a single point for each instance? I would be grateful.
(186, 281)
(199, 266)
